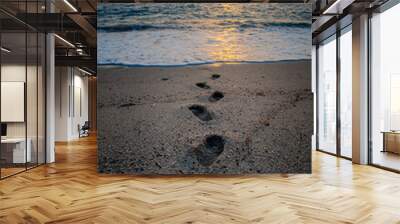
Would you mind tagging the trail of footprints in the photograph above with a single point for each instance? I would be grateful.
(213, 145)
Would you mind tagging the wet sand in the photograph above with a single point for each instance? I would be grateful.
(218, 118)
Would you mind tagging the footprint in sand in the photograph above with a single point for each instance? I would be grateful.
(209, 151)
(202, 85)
(217, 95)
(215, 76)
(201, 112)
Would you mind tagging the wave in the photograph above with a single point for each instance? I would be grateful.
(204, 63)
(135, 27)
(290, 24)
(238, 24)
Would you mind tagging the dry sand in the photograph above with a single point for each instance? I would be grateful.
(156, 120)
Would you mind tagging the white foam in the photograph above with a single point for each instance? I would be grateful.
(176, 47)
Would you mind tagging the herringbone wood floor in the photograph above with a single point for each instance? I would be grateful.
(71, 191)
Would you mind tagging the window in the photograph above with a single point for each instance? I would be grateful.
(385, 89)
(22, 77)
(327, 95)
(346, 92)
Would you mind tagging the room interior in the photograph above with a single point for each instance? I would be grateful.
(333, 78)
(25, 66)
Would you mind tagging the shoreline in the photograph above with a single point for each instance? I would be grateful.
(111, 65)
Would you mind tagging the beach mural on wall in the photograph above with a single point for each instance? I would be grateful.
(208, 88)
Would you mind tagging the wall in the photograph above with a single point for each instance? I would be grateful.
(92, 84)
(33, 127)
(71, 102)
(163, 109)
(62, 81)
(14, 73)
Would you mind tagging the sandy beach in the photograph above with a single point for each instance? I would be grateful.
(216, 118)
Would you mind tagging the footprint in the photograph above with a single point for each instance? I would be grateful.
(127, 105)
(209, 151)
(217, 95)
(215, 76)
(201, 112)
(202, 85)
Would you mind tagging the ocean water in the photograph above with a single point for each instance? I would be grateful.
(197, 33)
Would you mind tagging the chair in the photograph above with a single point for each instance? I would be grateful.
(84, 130)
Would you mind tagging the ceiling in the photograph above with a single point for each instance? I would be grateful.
(331, 15)
(74, 22)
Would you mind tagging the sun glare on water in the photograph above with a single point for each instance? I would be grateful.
(226, 46)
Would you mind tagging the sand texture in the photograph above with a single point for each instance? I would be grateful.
(202, 119)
